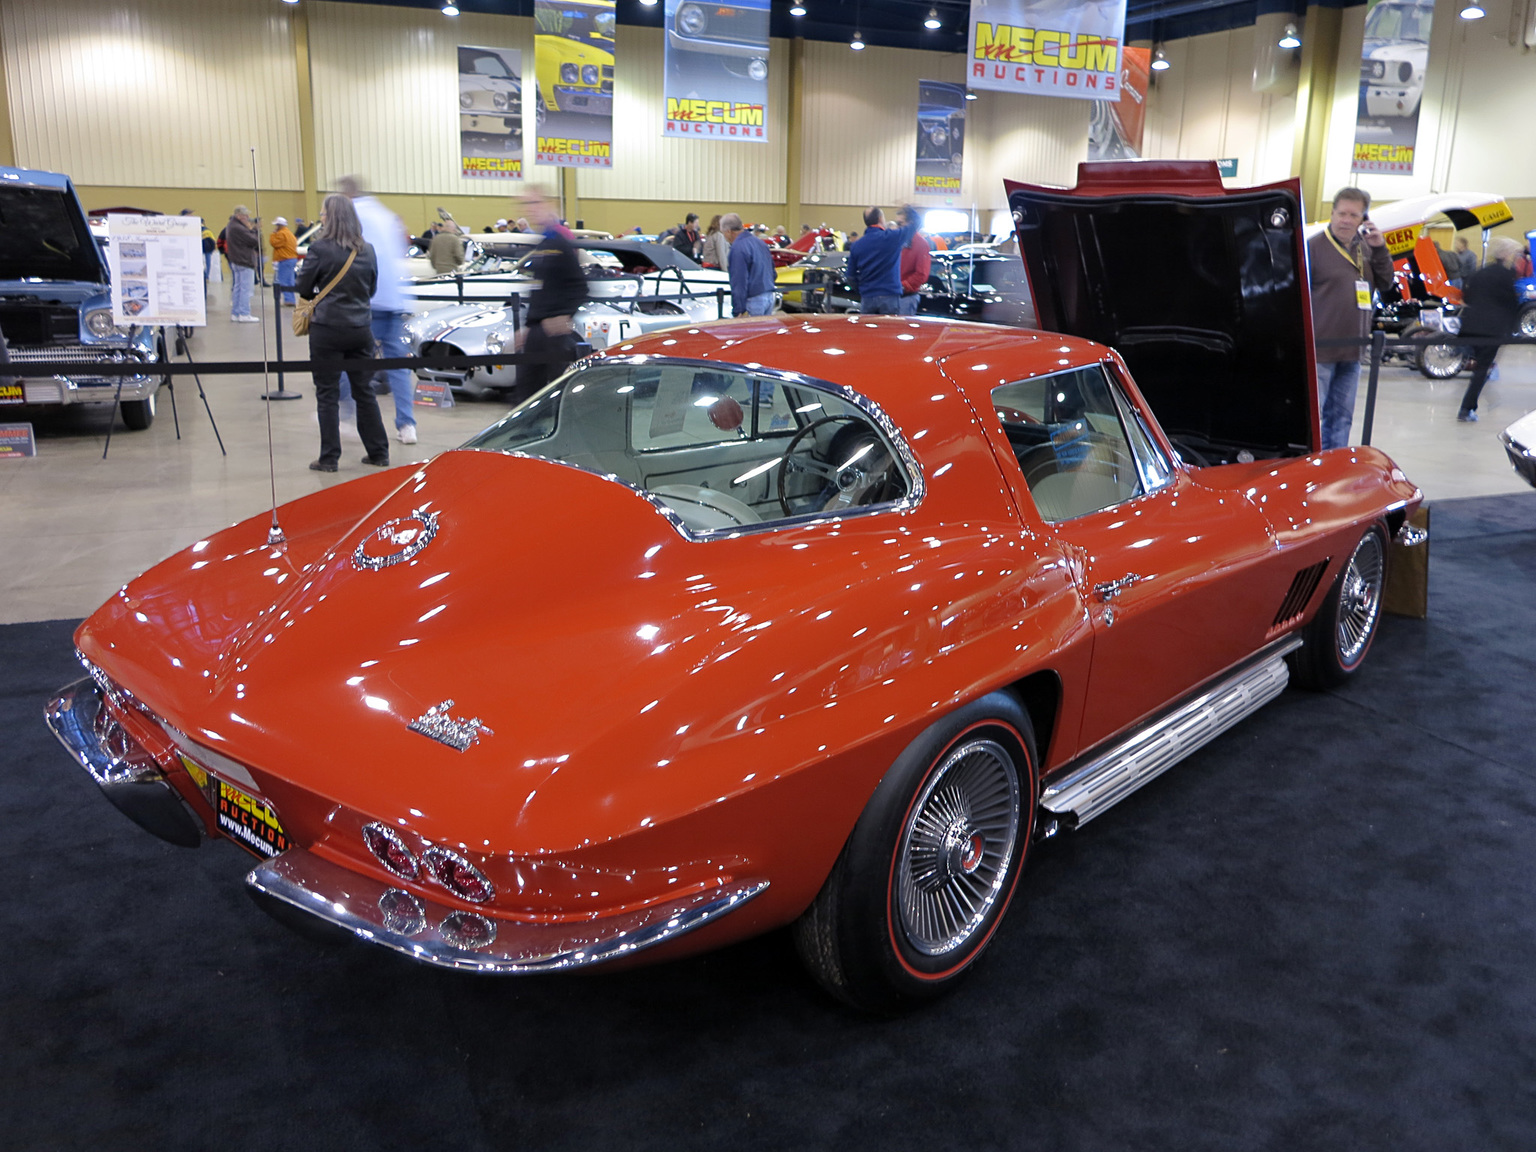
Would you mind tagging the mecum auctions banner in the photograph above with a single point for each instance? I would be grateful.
(940, 137)
(490, 113)
(717, 70)
(1392, 62)
(573, 67)
(1047, 47)
(1115, 126)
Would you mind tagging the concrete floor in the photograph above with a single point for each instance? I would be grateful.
(76, 526)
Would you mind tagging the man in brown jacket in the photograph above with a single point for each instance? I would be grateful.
(242, 248)
(1345, 262)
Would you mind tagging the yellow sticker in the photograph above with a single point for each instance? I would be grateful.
(194, 771)
(1362, 294)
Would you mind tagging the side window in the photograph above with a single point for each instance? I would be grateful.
(1070, 440)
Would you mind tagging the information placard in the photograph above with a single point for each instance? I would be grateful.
(17, 441)
(156, 265)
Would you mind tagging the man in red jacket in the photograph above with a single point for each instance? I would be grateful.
(915, 263)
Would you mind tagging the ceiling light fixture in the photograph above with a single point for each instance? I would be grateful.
(450, 10)
(969, 95)
(648, 3)
(1472, 12)
(1289, 38)
(290, 1)
(933, 23)
(1159, 60)
(797, 10)
(857, 43)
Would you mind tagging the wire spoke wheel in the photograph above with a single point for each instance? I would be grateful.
(955, 850)
(1441, 361)
(1360, 599)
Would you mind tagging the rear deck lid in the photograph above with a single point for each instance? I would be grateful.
(1202, 290)
(43, 230)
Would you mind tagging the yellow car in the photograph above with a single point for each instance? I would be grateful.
(574, 51)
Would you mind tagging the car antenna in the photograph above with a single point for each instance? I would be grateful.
(275, 537)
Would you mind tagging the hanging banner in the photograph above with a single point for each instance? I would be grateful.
(1392, 63)
(940, 137)
(490, 113)
(156, 267)
(1047, 47)
(717, 70)
(1115, 127)
(573, 64)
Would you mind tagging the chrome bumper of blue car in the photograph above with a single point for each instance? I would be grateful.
(126, 775)
(467, 941)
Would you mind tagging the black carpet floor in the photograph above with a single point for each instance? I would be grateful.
(1317, 933)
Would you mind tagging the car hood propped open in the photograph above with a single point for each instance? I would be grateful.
(43, 230)
(1202, 290)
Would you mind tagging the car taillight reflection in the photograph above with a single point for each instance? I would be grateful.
(467, 930)
(390, 850)
(457, 875)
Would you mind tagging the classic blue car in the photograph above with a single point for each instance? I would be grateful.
(55, 304)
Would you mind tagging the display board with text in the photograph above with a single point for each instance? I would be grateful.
(490, 113)
(717, 70)
(1065, 48)
(573, 53)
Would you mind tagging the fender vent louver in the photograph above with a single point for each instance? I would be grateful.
(1300, 595)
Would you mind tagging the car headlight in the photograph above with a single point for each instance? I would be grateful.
(939, 135)
(500, 100)
(691, 20)
(589, 74)
(1378, 69)
(493, 347)
(99, 324)
(1404, 72)
(568, 73)
(465, 99)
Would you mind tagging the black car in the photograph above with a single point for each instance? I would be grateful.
(985, 286)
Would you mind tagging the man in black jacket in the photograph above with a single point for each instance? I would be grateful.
(548, 335)
(1490, 307)
(686, 239)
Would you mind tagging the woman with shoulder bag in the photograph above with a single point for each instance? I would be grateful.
(339, 274)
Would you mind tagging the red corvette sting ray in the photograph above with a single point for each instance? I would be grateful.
(777, 621)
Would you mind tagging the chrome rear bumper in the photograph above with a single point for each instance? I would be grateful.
(132, 782)
(449, 937)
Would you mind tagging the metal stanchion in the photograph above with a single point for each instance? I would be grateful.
(719, 303)
(280, 392)
(1378, 344)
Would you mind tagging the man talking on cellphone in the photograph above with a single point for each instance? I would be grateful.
(1346, 261)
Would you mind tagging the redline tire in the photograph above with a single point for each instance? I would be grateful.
(1339, 637)
(931, 866)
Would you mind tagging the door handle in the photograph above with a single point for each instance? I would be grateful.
(1107, 591)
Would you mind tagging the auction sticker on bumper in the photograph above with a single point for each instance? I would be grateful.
(248, 820)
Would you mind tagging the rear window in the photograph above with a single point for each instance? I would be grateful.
(722, 448)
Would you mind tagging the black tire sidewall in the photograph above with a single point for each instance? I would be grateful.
(874, 956)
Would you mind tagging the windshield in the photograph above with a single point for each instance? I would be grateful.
(720, 447)
(483, 64)
(577, 21)
(1399, 22)
(932, 98)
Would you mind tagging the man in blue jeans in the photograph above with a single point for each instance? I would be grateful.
(1346, 262)
(874, 262)
(387, 233)
(751, 268)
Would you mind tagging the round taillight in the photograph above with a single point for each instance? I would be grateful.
(467, 930)
(387, 847)
(458, 875)
(402, 912)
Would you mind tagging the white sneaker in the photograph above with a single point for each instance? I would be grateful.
(246, 319)
(407, 434)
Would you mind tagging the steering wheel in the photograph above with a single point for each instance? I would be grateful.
(858, 484)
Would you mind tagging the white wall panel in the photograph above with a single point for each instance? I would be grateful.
(860, 135)
(154, 93)
(650, 166)
(1204, 107)
(386, 93)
